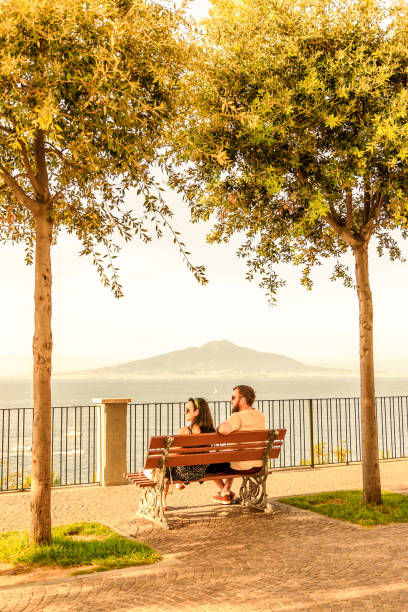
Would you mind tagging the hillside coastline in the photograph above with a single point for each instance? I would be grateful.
(219, 359)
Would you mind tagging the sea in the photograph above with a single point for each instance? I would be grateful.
(159, 410)
(17, 393)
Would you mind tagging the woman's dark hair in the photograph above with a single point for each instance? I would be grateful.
(204, 417)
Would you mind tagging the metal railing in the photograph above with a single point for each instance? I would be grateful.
(73, 452)
(319, 431)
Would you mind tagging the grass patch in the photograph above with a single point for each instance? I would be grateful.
(348, 506)
(101, 547)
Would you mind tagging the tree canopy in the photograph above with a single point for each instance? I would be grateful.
(88, 91)
(299, 135)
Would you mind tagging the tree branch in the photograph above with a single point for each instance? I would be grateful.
(334, 214)
(375, 209)
(18, 192)
(367, 199)
(342, 231)
(5, 186)
(29, 171)
(349, 206)
(57, 197)
(40, 162)
(301, 174)
(6, 129)
(51, 149)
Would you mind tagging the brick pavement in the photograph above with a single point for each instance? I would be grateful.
(229, 558)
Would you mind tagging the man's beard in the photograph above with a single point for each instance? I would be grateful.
(235, 409)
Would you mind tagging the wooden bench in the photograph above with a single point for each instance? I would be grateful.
(207, 449)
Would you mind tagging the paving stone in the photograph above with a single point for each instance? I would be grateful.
(227, 558)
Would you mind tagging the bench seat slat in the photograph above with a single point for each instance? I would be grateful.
(214, 452)
(209, 457)
(205, 449)
(131, 478)
(139, 479)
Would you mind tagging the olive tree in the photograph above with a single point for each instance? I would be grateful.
(88, 92)
(298, 137)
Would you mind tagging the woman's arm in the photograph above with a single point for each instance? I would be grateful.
(185, 431)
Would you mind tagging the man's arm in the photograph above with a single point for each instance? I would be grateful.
(232, 424)
(224, 429)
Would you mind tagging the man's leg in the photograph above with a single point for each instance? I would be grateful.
(227, 487)
(219, 482)
(225, 495)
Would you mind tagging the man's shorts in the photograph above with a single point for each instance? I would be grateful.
(225, 468)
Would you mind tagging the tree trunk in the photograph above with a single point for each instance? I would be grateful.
(369, 433)
(40, 503)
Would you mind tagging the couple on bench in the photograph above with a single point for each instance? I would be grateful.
(243, 418)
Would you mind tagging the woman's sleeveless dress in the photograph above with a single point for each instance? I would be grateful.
(187, 473)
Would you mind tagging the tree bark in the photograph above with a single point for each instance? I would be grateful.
(369, 433)
(40, 503)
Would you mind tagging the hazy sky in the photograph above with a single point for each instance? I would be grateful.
(165, 309)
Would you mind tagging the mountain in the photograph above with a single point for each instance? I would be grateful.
(212, 360)
(22, 365)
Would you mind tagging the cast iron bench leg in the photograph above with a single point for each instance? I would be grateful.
(253, 489)
(151, 506)
(253, 492)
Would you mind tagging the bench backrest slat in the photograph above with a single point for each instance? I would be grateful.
(203, 449)
(214, 438)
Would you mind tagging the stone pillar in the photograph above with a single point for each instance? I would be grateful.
(112, 441)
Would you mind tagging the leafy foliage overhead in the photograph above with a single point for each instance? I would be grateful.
(88, 94)
(299, 130)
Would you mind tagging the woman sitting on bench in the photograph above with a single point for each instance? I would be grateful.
(200, 418)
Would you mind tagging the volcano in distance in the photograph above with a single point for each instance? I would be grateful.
(220, 359)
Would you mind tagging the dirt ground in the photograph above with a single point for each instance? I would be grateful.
(11, 575)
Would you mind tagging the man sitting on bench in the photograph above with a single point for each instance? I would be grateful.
(244, 417)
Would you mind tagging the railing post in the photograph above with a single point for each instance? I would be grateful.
(311, 433)
(111, 443)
